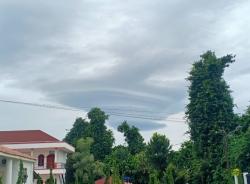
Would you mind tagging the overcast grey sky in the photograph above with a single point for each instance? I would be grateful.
(131, 56)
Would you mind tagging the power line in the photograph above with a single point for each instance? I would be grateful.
(40, 105)
(119, 114)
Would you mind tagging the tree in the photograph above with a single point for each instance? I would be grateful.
(116, 179)
(39, 180)
(21, 174)
(153, 178)
(169, 175)
(86, 169)
(79, 130)
(97, 130)
(244, 120)
(141, 168)
(210, 112)
(133, 138)
(103, 138)
(239, 149)
(158, 151)
(185, 163)
(50, 180)
(70, 171)
(121, 160)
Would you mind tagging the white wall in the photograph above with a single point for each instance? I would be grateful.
(30, 169)
(61, 156)
(27, 165)
(15, 169)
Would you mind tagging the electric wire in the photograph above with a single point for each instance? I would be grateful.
(113, 113)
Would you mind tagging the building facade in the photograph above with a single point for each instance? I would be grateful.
(49, 152)
(9, 165)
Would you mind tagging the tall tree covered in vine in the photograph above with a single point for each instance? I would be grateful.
(210, 114)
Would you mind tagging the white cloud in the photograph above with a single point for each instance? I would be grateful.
(129, 54)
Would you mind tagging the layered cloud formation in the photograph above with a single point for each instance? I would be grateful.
(127, 56)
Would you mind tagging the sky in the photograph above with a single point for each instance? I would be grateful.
(127, 57)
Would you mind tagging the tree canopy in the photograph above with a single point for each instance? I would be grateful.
(210, 114)
(103, 138)
(86, 168)
(133, 137)
(158, 151)
(79, 130)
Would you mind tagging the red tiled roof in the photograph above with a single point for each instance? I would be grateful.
(12, 152)
(102, 181)
(25, 136)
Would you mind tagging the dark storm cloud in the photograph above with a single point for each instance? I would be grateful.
(126, 54)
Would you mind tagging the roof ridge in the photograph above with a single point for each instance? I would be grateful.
(20, 130)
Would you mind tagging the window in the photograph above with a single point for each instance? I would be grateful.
(41, 160)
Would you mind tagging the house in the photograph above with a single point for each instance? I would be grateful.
(50, 153)
(9, 165)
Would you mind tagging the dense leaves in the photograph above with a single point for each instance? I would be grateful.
(158, 151)
(97, 130)
(79, 130)
(210, 112)
(87, 170)
(103, 138)
(133, 138)
(51, 179)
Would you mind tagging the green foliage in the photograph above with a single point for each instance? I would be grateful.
(183, 158)
(21, 174)
(153, 178)
(239, 148)
(141, 168)
(1, 180)
(79, 130)
(158, 151)
(70, 171)
(121, 161)
(96, 129)
(244, 120)
(168, 177)
(133, 137)
(51, 179)
(210, 113)
(239, 145)
(116, 178)
(187, 166)
(86, 169)
(39, 180)
(103, 138)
